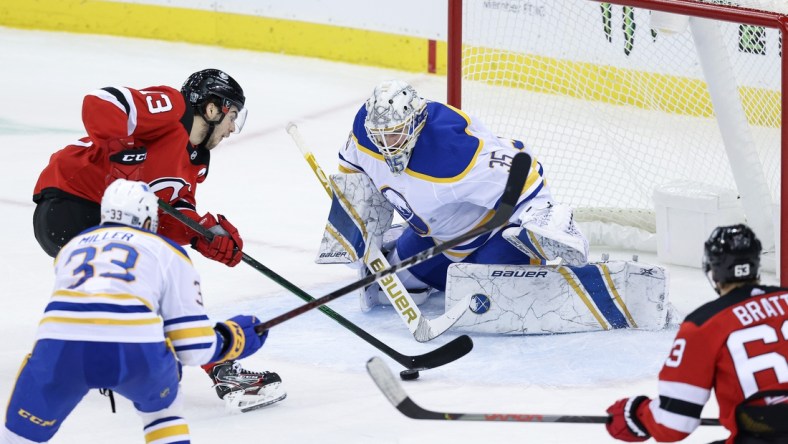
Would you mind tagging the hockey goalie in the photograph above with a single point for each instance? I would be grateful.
(443, 172)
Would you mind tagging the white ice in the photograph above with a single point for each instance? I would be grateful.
(261, 182)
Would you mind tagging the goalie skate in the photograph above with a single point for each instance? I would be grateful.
(244, 390)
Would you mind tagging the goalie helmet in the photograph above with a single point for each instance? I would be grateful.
(395, 117)
(203, 87)
(731, 254)
(130, 203)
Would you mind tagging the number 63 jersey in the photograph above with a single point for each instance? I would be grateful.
(736, 345)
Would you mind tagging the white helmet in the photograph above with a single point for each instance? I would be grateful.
(395, 116)
(130, 203)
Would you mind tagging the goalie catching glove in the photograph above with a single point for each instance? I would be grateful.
(226, 245)
(236, 338)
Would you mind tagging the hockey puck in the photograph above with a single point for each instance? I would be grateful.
(409, 375)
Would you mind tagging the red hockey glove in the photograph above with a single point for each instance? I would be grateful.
(125, 160)
(623, 422)
(226, 244)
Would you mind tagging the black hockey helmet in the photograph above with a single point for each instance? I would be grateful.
(208, 85)
(731, 254)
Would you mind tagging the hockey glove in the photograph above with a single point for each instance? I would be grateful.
(226, 244)
(125, 160)
(623, 423)
(237, 339)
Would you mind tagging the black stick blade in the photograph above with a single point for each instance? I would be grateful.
(448, 352)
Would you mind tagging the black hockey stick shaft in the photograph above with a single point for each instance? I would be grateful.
(449, 352)
(518, 172)
(392, 389)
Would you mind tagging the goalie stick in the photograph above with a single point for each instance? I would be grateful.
(449, 352)
(396, 395)
(518, 172)
(423, 329)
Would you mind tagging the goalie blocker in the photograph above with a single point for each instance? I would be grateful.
(532, 299)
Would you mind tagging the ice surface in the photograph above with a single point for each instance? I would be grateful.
(260, 181)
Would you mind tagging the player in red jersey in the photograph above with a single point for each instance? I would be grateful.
(163, 137)
(736, 345)
(158, 135)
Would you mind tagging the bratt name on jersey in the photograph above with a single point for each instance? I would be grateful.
(762, 308)
(533, 299)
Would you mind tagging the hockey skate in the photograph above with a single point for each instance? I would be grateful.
(243, 390)
(549, 233)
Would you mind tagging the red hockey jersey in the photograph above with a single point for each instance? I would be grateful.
(156, 118)
(736, 345)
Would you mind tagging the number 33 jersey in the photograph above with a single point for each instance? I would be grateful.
(736, 345)
(115, 283)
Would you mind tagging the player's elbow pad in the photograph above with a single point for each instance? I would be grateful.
(236, 338)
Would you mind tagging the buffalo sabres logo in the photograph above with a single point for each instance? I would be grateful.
(401, 205)
(480, 304)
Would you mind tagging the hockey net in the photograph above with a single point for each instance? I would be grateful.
(616, 97)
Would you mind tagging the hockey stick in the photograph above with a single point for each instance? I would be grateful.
(521, 164)
(451, 351)
(423, 329)
(396, 395)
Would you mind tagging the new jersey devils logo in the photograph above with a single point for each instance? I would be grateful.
(175, 184)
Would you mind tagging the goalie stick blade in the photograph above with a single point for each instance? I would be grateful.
(392, 389)
(521, 165)
(445, 354)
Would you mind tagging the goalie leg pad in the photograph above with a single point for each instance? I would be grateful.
(532, 299)
(358, 218)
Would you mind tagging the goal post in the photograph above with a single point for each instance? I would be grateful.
(619, 98)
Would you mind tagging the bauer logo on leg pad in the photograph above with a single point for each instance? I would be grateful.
(479, 303)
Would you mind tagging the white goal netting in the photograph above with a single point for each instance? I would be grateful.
(615, 100)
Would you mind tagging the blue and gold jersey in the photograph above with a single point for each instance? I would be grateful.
(454, 179)
(115, 283)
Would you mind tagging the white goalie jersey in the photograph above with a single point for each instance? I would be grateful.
(454, 179)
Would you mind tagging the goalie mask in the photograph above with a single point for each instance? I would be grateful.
(130, 203)
(731, 254)
(395, 117)
(215, 86)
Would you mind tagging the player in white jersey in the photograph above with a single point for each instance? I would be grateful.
(125, 312)
(444, 172)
